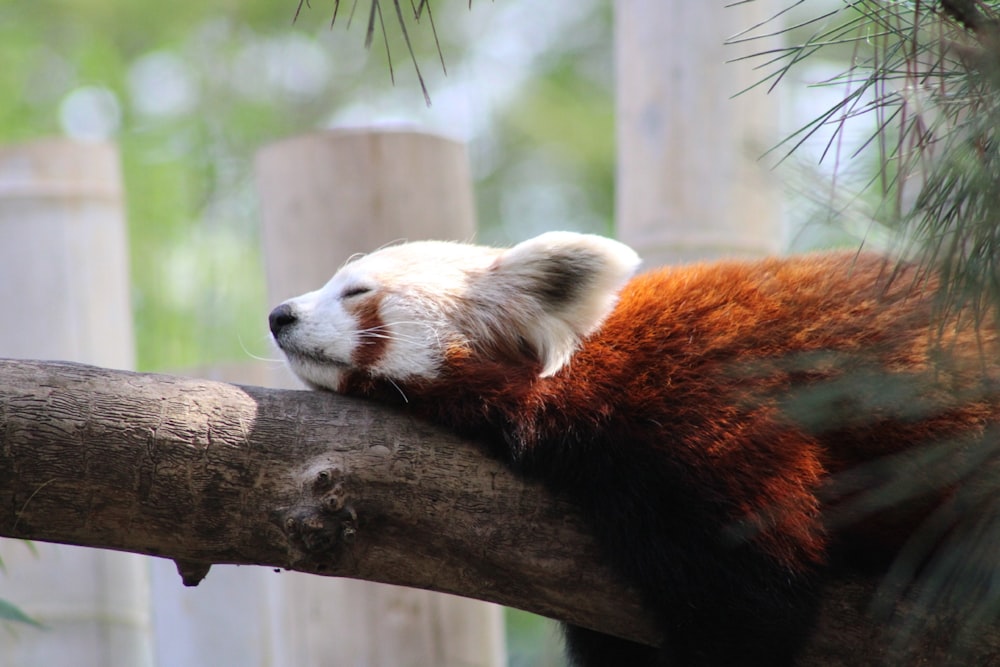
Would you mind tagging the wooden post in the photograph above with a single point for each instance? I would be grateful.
(324, 197)
(63, 254)
(64, 288)
(690, 185)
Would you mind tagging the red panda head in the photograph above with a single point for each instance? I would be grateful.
(399, 312)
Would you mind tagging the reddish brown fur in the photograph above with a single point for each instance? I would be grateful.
(373, 336)
(732, 393)
(707, 352)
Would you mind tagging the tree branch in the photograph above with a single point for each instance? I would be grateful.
(204, 472)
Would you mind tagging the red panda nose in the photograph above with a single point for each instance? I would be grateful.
(280, 318)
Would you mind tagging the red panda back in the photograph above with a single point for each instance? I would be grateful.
(838, 353)
(766, 388)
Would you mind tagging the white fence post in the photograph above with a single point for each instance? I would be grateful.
(65, 294)
(690, 185)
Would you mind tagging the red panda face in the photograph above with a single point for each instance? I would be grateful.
(399, 312)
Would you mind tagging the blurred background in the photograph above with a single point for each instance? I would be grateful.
(190, 90)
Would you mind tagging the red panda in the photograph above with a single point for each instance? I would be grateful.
(696, 415)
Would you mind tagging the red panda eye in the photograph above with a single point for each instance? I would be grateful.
(357, 290)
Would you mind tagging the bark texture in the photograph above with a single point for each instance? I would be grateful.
(205, 472)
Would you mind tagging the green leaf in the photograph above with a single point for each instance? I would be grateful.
(8, 612)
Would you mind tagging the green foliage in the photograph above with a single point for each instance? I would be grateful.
(10, 613)
(526, 633)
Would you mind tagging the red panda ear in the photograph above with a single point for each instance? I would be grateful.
(562, 285)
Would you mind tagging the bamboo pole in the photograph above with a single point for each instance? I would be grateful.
(64, 285)
(690, 182)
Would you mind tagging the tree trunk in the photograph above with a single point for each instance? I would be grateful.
(203, 472)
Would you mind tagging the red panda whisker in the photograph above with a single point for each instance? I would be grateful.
(401, 393)
(277, 361)
(397, 323)
(388, 336)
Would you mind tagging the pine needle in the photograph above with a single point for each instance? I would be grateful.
(376, 22)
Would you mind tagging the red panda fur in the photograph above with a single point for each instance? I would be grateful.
(701, 429)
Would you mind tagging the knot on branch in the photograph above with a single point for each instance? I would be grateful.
(192, 572)
(322, 522)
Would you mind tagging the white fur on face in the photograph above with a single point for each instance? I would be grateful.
(397, 312)
(409, 288)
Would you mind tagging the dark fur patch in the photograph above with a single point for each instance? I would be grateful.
(563, 277)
